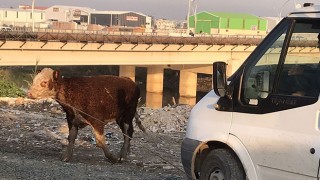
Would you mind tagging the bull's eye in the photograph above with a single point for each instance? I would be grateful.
(43, 83)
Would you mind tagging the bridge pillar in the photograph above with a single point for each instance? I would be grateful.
(187, 87)
(154, 87)
(128, 71)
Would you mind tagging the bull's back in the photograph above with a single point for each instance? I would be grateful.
(99, 95)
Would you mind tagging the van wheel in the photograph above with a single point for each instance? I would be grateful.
(221, 164)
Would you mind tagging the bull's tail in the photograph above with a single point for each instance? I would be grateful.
(138, 122)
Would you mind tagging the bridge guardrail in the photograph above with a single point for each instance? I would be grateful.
(128, 37)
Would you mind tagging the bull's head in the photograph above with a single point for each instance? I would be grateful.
(43, 84)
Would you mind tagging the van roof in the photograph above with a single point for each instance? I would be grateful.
(312, 11)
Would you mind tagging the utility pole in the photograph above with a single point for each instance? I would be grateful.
(32, 14)
(192, 11)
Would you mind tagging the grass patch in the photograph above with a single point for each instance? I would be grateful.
(10, 89)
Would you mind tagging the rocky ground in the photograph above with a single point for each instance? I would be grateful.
(33, 134)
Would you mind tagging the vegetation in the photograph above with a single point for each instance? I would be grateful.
(10, 89)
(9, 85)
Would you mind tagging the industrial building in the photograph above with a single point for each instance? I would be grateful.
(68, 13)
(21, 17)
(227, 23)
(121, 19)
(89, 16)
(165, 25)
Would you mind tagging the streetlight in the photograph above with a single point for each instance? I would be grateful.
(192, 11)
(296, 6)
(188, 17)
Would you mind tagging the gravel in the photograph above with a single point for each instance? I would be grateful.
(34, 132)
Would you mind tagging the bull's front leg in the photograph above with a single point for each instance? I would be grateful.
(67, 154)
(73, 119)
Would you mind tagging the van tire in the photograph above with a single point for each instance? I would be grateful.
(222, 164)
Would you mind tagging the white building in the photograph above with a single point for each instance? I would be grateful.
(86, 16)
(165, 25)
(271, 22)
(68, 13)
(21, 17)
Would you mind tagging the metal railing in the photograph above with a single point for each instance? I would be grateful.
(127, 37)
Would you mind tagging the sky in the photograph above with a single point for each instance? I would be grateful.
(173, 9)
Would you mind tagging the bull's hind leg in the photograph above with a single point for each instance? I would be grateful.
(126, 126)
(127, 131)
(101, 142)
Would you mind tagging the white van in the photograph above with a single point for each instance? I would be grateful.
(265, 122)
(5, 29)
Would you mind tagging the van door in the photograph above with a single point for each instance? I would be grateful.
(283, 145)
(276, 111)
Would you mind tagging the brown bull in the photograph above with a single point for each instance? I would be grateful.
(92, 101)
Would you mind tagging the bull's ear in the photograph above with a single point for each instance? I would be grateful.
(56, 75)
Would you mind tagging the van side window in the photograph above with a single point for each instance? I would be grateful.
(299, 79)
(292, 71)
(258, 81)
(299, 75)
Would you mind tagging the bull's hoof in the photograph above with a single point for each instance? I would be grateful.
(120, 160)
(123, 155)
(113, 160)
(66, 156)
(123, 159)
(65, 159)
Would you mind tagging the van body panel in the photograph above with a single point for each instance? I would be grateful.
(205, 124)
(283, 149)
(239, 148)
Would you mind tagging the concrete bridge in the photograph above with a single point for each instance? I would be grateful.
(189, 55)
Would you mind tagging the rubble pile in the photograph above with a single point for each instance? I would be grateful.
(166, 119)
(163, 120)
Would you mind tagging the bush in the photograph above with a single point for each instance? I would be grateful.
(10, 89)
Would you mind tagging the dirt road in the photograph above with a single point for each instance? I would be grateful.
(32, 139)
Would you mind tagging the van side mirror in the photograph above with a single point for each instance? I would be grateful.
(219, 78)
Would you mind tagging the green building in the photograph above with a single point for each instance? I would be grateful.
(227, 23)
